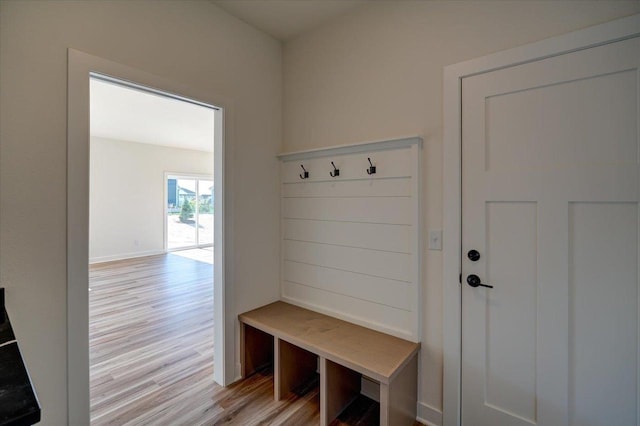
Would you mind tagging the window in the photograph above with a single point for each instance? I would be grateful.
(189, 211)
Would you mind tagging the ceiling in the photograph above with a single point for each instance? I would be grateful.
(287, 19)
(119, 112)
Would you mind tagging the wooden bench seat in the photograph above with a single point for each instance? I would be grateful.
(297, 340)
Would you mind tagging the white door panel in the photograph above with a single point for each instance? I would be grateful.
(550, 195)
(603, 308)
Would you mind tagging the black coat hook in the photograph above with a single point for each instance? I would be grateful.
(305, 174)
(371, 170)
(336, 171)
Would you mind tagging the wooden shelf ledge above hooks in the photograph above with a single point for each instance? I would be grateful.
(402, 142)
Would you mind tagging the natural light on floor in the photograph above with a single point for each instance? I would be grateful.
(199, 254)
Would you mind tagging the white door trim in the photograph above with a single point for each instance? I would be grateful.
(610, 32)
(80, 65)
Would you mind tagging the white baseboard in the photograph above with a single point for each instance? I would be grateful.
(111, 258)
(428, 415)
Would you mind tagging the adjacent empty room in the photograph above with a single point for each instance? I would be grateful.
(151, 253)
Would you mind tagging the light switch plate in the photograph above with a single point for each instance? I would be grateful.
(435, 239)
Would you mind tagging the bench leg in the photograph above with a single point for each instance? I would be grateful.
(398, 400)
(339, 386)
(293, 367)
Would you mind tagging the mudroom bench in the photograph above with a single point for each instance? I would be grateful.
(300, 342)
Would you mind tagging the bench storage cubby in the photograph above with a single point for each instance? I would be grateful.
(301, 342)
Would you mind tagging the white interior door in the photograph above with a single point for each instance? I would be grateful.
(550, 193)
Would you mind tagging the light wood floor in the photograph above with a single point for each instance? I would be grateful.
(151, 354)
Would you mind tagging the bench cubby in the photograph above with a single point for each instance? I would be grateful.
(301, 342)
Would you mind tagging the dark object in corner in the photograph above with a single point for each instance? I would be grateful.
(2, 314)
(18, 402)
(6, 333)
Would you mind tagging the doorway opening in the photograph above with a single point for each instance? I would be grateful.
(81, 67)
(151, 310)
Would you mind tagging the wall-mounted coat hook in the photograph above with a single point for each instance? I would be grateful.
(335, 172)
(304, 174)
(371, 170)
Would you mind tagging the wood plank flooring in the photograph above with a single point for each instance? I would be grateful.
(151, 353)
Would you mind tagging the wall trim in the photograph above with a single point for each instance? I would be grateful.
(598, 35)
(428, 415)
(123, 256)
(396, 143)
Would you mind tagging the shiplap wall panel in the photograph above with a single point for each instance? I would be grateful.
(394, 238)
(382, 317)
(389, 210)
(351, 243)
(392, 187)
(395, 266)
(396, 294)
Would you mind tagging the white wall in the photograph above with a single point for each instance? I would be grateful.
(192, 43)
(127, 195)
(377, 74)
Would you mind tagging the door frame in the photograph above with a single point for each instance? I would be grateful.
(617, 30)
(80, 66)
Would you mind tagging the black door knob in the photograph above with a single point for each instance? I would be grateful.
(473, 255)
(474, 281)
